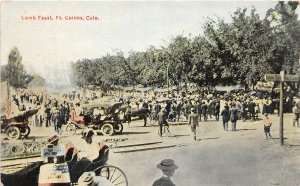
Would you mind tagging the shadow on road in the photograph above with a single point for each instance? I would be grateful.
(180, 135)
(276, 138)
(128, 133)
(245, 129)
(207, 138)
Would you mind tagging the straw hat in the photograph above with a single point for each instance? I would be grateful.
(86, 178)
(167, 164)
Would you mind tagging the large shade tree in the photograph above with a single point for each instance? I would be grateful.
(14, 71)
(228, 53)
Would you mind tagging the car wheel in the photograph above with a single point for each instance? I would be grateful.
(119, 128)
(71, 129)
(13, 132)
(107, 129)
(25, 131)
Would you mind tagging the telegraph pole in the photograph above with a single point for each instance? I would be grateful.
(281, 113)
(281, 78)
(168, 79)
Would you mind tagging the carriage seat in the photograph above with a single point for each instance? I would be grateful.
(26, 176)
(101, 159)
(85, 165)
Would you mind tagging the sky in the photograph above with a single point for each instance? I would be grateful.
(50, 45)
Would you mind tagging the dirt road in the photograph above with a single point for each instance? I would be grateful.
(217, 158)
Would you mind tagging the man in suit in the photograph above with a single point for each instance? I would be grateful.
(168, 168)
(233, 116)
(193, 122)
(162, 120)
(225, 116)
(157, 109)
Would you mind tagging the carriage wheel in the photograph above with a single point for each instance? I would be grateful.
(107, 129)
(114, 174)
(25, 131)
(119, 128)
(13, 132)
(71, 129)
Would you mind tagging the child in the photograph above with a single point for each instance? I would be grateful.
(267, 125)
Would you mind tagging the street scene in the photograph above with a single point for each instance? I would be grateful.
(119, 93)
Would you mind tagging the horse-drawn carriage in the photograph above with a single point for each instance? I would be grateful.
(67, 170)
(17, 126)
(99, 117)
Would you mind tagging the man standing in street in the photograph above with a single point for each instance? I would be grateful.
(233, 116)
(204, 110)
(157, 109)
(162, 120)
(267, 125)
(295, 116)
(48, 115)
(225, 117)
(128, 115)
(193, 122)
(217, 111)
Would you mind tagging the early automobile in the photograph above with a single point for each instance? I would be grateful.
(100, 117)
(16, 127)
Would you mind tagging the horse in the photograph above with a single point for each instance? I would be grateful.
(141, 113)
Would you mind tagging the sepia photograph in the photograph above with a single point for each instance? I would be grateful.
(150, 93)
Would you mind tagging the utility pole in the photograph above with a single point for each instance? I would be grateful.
(168, 79)
(281, 78)
(281, 110)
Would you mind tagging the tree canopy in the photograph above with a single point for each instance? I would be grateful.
(14, 71)
(228, 53)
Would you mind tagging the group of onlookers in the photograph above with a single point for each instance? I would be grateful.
(57, 111)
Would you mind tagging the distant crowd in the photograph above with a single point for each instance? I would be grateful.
(57, 109)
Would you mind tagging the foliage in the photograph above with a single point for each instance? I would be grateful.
(238, 52)
(14, 71)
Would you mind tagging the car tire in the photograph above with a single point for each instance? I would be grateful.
(119, 128)
(13, 132)
(107, 129)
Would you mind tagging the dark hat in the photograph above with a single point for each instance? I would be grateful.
(167, 164)
(53, 139)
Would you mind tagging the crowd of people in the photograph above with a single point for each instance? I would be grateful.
(57, 109)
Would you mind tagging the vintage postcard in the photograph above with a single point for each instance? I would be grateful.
(141, 93)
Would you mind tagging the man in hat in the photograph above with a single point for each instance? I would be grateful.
(87, 135)
(225, 117)
(193, 122)
(157, 109)
(128, 113)
(162, 120)
(295, 115)
(90, 179)
(60, 148)
(233, 116)
(116, 117)
(168, 168)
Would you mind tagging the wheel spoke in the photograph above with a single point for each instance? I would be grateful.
(120, 183)
(117, 178)
(112, 174)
